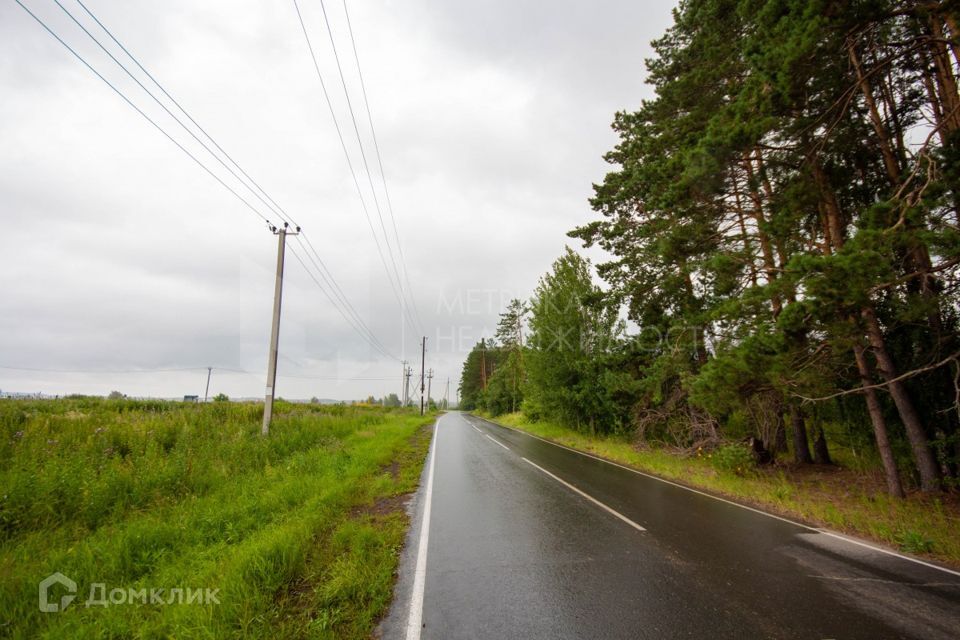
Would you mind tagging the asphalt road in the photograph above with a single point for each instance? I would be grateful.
(519, 538)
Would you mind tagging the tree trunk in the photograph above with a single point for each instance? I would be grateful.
(768, 192)
(821, 454)
(831, 208)
(765, 247)
(883, 137)
(747, 245)
(894, 486)
(954, 34)
(780, 435)
(926, 463)
(890, 103)
(935, 107)
(943, 73)
(801, 448)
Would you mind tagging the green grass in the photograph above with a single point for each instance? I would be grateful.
(299, 531)
(843, 499)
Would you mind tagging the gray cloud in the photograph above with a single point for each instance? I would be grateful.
(119, 253)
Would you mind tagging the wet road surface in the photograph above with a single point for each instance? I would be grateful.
(527, 539)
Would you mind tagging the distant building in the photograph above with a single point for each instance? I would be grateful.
(191, 398)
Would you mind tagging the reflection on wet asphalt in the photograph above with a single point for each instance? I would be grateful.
(516, 553)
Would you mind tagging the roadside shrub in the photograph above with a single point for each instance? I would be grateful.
(914, 542)
(733, 458)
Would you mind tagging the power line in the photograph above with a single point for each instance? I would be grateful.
(335, 286)
(354, 320)
(383, 175)
(163, 106)
(363, 154)
(370, 339)
(346, 153)
(140, 111)
(275, 208)
(337, 291)
(281, 212)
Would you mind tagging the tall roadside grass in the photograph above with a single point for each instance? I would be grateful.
(850, 500)
(157, 495)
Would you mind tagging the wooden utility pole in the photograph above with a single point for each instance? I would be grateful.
(406, 386)
(403, 389)
(281, 234)
(423, 359)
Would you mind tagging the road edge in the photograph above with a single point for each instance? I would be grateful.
(393, 624)
(738, 501)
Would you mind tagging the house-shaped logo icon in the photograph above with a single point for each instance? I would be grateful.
(56, 578)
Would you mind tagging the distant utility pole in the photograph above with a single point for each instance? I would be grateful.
(281, 234)
(403, 388)
(207, 391)
(406, 386)
(446, 395)
(429, 385)
(423, 359)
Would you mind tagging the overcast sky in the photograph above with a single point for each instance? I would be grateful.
(120, 254)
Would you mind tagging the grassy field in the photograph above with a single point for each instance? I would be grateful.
(841, 498)
(299, 532)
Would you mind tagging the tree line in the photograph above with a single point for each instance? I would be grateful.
(783, 234)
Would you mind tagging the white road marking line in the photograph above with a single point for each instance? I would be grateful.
(415, 620)
(588, 497)
(659, 479)
(825, 532)
(495, 441)
(475, 428)
(886, 551)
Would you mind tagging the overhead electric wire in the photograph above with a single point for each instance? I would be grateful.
(282, 213)
(371, 339)
(363, 153)
(363, 329)
(353, 173)
(376, 148)
(276, 208)
(141, 112)
(331, 282)
(164, 107)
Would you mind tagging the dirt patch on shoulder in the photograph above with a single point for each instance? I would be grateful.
(418, 443)
(381, 507)
(393, 469)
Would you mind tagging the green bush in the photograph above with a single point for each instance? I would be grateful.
(733, 458)
(914, 542)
